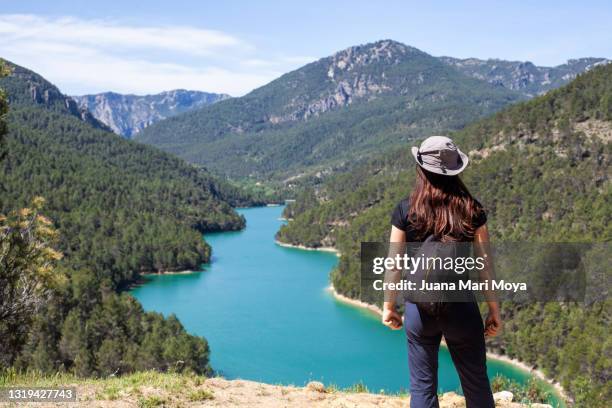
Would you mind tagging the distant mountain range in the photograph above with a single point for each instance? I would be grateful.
(357, 101)
(524, 76)
(361, 100)
(128, 114)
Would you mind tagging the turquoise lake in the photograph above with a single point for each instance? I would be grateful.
(268, 317)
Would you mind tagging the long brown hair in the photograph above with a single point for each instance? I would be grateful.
(442, 206)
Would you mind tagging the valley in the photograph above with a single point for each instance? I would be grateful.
(104, 212)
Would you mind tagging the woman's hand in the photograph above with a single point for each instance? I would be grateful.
(493, 323)
(391, 318)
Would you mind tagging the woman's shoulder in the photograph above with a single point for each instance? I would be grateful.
(399, 217)
(480, 215)
(404, 205)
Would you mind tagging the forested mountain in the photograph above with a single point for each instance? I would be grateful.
(120, 209)
(349, 105)
(542, 170)
(128, 114)
(96, 183)
(332, 110)
(524, 76)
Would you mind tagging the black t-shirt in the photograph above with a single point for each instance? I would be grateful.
(399, 219)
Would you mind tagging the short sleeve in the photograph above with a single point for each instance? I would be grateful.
(399, 217)
(480, 218)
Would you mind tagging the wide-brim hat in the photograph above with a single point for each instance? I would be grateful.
(440, 155)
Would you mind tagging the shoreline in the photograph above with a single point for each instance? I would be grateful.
(353, 302)
(490, 355)
(142, 279)
(305, 248)
(182, 272)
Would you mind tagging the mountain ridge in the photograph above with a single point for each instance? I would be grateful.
(24, 86)
(128, 114)
(524, 76)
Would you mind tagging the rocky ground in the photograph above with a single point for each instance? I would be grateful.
(155, 390)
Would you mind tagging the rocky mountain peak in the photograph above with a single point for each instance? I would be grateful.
(358, 72)
(587, 61)
(384, 51)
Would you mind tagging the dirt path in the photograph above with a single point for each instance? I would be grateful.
(218, 392)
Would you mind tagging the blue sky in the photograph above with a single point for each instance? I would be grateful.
(234, 46)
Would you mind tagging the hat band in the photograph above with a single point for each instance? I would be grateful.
(441, 159)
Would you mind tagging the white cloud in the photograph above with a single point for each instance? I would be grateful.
(88, 56)
(102, 33)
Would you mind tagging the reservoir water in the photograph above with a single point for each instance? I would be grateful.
(268, 317)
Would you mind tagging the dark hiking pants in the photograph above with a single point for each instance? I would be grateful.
(463, 331)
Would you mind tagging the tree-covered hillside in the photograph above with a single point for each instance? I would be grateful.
(120, 205)
(542, 171)
(354, 102)
(119, 209)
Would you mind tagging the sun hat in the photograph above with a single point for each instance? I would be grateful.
(440, 155)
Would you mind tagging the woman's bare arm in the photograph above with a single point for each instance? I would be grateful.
(482, 248)
(390, 316)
